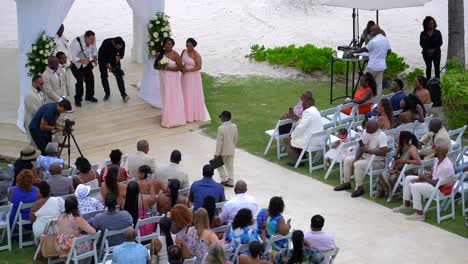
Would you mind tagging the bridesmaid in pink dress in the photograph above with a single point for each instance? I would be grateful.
(192, 87)
(173, 113)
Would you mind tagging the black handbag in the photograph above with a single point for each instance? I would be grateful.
(216, 163)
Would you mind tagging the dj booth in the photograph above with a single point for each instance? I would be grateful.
(357, 63)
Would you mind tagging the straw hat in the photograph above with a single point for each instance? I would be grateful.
(82, 191)
(29, 153)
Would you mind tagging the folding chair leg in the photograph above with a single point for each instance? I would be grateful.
(330, 168)
(20, 227)
(395, 187)
(299, 159)
(268, 146)
(278, 149)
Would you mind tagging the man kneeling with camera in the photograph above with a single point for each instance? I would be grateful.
(44, 122)
(110, 53)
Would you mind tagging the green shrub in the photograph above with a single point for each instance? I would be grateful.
(411, 76)
(309, 58)
(455, 94)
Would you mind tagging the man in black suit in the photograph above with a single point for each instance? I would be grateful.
(110, 53)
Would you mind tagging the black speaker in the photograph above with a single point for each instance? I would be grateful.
(434, 88)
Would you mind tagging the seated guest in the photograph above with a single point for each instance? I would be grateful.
(25, 192)
(52, 150)
(138, 206)
(71, 225)
(437, 136)
(413, 110)
(301, 252)
(146, 184)
(310, 122)
(241, 232)
(110, 184)
(200, 236)
(397, 88)
(318, 239)
(210, 206)
(256, 249)
(373, 142)
(422, 186)
(173, 171)
(44, 209)
(204, 187)
(161, 244)
(241, 200)
(59, 185)
(407, 153)
(28, 155)
(86, 175)
(367, 90)
(140, 158)
(174, 255)
(181, 218)
(115, 158)
(169, 199)
(296, 111)
(113, 219)
(217, 254)
(130, 252)
(421, 91)
(86, 204)
(275, 224)
(333, 153)
(385, 115)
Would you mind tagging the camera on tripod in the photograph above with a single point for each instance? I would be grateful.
(69, 126)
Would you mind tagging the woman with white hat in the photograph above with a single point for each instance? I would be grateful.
(86, 204)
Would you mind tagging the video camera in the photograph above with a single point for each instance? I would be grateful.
(69, 125)
(117, 69)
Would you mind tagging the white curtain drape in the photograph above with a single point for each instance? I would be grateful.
(150, 88)
(34, 17)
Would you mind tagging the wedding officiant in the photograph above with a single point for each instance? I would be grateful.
(110, 53)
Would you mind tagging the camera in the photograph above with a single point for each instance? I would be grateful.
(117, 69)
(69, 125)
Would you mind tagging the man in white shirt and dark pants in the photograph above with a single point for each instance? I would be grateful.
(378, 48)
(83, 53)
(240, 201)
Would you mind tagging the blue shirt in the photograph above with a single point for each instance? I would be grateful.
(396, 98)
(204, 187)
(130, 253)
(50, 114)
(45, 161)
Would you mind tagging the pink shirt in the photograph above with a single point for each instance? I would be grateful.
(443, 169)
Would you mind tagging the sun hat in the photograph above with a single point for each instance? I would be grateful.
(29, 153)
(82, 191)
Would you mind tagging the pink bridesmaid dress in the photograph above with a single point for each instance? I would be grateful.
(192, 87)
(173, 113)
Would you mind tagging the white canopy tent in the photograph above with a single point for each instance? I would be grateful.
(36, 16)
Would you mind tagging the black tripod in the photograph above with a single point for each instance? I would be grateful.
(66, 139)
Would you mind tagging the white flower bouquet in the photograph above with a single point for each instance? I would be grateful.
(36, 59)
(163, 62)
(158, 29)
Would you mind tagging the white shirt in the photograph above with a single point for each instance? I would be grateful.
(374, 141)
(76, 55)
(378, 48)
(240, 201)
(310, 122)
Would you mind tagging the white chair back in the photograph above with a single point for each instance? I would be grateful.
(428, 107)
(6, 211)
(184, 192)
(95, 166)
(123, 161)
(439, 198)
(190, 261)
(73, 254)
(274, 239)
(222, 229)
(150, 220)
(458, 135)
(20, 222)
(331, 254)
(66, 173)
(275, 135)
(106, 250)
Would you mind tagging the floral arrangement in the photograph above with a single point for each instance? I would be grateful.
(36, 59)
(158, 29)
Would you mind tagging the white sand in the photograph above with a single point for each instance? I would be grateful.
(225, 29)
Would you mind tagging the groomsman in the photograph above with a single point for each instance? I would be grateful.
(110, 53)
(34, 99)
(83, 53)
(54, 80)
(226, 142)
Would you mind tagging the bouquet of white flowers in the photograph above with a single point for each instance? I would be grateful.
(158, 29)
(37, 57)
(163, 62)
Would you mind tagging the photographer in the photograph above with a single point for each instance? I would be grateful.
(110, 53)
(44, 121)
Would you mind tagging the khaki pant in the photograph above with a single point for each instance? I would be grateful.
(378, 76)
(418, 191)
(226, 172)
(360, 167)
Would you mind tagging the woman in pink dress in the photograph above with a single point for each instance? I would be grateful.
(173, 113)
(192, 87)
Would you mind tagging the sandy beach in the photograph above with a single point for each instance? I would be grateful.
(226, 29)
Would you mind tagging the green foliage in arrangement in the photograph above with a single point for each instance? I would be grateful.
(309, 58)
(411, 76)
(455, 93)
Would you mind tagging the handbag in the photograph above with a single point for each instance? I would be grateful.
(154, 257)
(216, 163)
(47, 242)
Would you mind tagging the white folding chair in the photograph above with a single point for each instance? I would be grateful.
(387, 96)
(219, 207)
(319, 150)
(331, 254)
(440, 198)
(222, 229)
(340, 161)
(331, 136)
(460, 187)
(123, 161)
(141, 222)
(403, 174)
(20, 222)
(276, 238)
(66, 173)
(6, 210)
(92, 214)
(105, 252)
(392, 135)
(275, 135)
(190, 261)
(421, 128)
(428, 107)
(407, 127)
(185, 191)
(73, 254)
(339, 117)
(241, 248)
(11, 170)
(354, 130)
(326, 122)
(95, 166)
(458, 135)
(374, 173)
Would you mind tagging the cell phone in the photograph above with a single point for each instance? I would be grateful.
(361, 143)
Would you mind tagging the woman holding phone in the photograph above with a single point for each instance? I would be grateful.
(272, 220)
